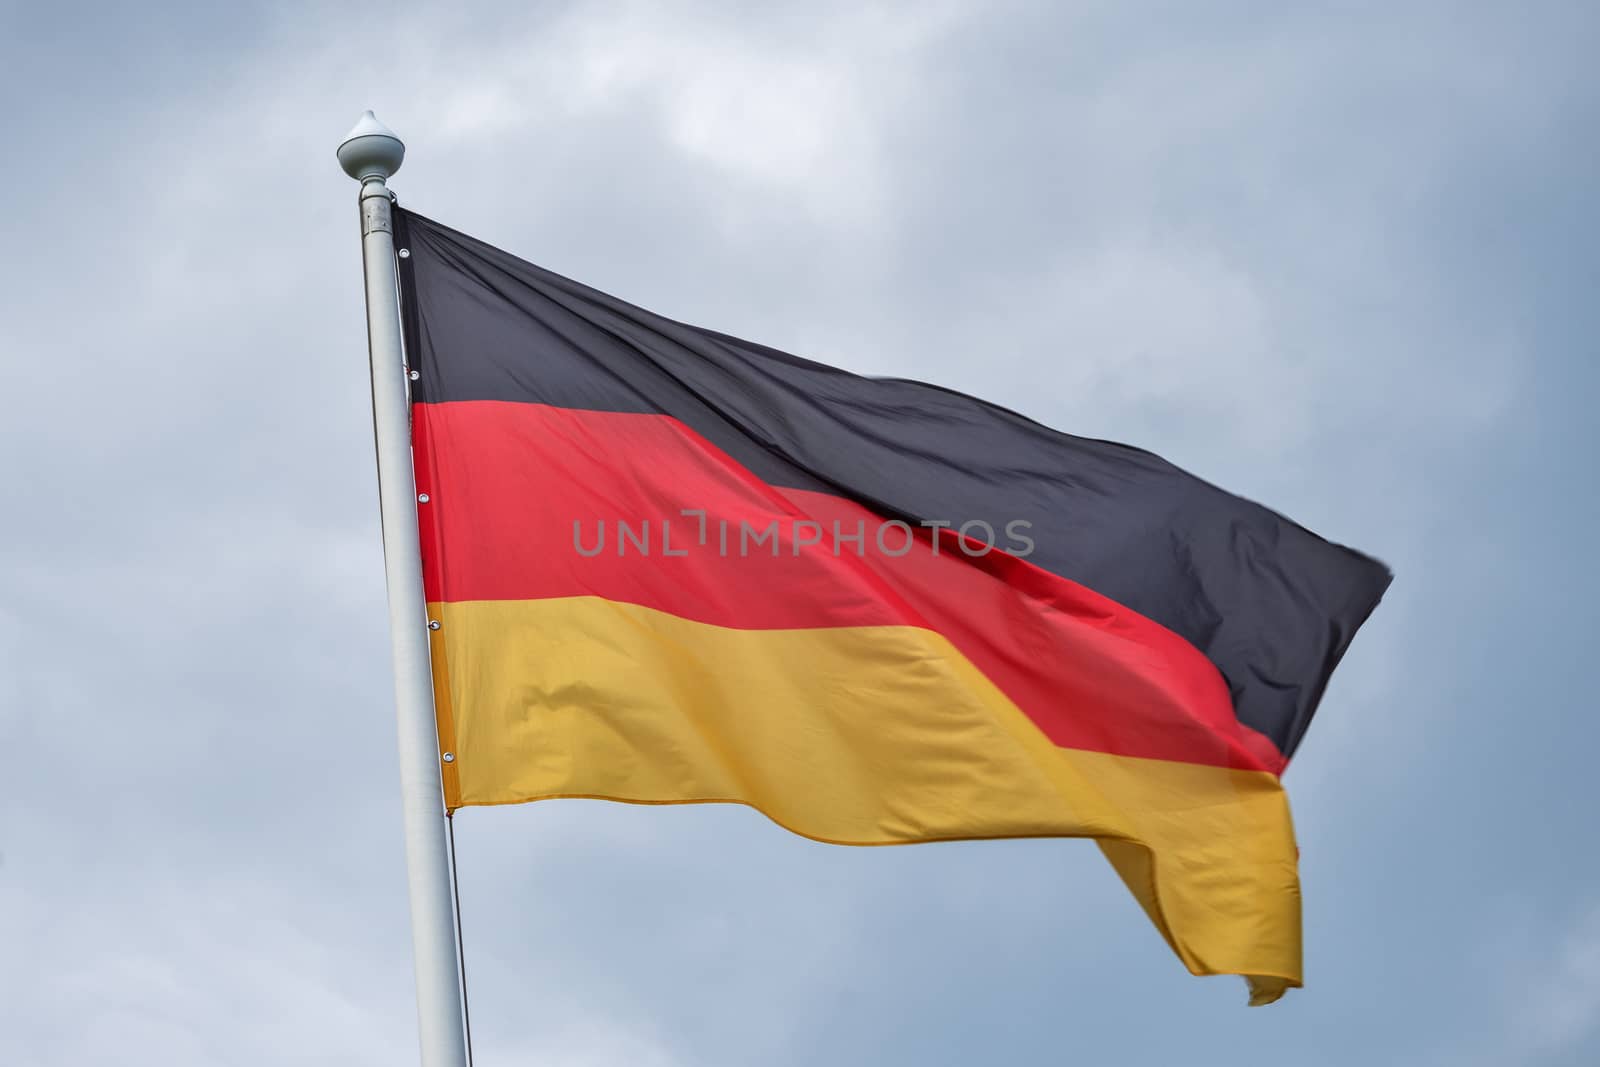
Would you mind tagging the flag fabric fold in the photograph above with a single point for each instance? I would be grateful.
(671, 566)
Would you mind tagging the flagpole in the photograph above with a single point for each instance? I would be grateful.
(371, 153)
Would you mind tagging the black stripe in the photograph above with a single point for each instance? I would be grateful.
(1273, 605)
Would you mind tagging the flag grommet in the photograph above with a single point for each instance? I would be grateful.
(422, 498)
(449, 757)
(433, 624)
(405, 253)
(414, 375)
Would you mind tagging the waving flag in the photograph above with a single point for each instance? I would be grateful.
(664, 565)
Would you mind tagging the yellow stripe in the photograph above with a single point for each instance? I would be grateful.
(860, 736)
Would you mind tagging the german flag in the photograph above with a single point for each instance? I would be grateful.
(668, 566)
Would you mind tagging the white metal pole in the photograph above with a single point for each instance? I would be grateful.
(370, 154)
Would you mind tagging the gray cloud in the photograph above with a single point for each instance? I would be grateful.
(1337, 259)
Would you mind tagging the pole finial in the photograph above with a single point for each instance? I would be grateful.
(371, 150)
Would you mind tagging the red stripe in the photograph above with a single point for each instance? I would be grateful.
(506, 481)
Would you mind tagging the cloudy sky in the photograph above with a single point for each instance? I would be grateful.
(1341, 260)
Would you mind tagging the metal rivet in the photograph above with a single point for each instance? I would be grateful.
(449, 757)
(415, 375)
(433, 624)
(422, 498)
(405, 253)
